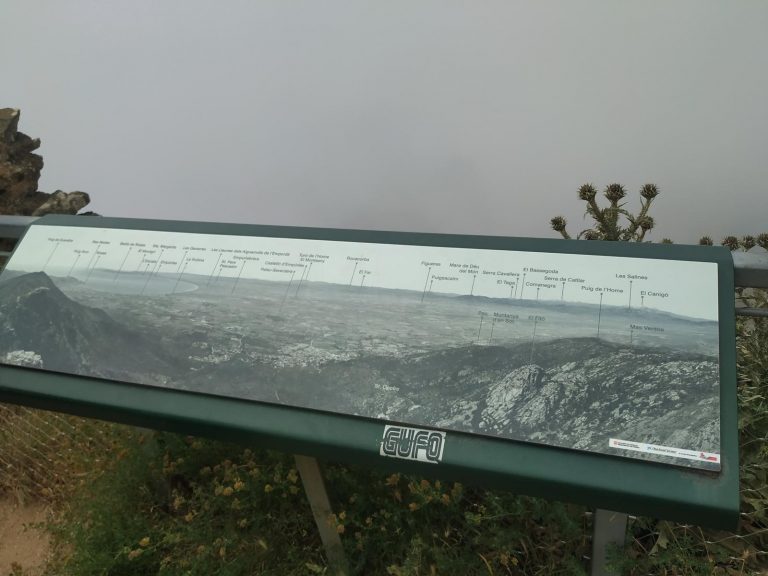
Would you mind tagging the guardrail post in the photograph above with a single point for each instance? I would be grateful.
(609, 529)
(314, 486)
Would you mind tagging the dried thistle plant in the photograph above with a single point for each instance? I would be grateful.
(609, 224)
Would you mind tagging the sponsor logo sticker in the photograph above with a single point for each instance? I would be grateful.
(664, 450)
(412, 444)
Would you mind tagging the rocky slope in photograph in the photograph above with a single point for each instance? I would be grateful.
(41, 327)
(572, 392)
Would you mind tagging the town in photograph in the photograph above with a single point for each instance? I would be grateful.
(613, 355)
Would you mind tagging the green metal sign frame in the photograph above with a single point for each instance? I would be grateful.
(608, 482)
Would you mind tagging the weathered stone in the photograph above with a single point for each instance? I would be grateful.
(63, 203)
(20, 173)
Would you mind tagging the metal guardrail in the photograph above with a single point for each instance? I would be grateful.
(750, 269)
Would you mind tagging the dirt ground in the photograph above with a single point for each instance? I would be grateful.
(20, 543)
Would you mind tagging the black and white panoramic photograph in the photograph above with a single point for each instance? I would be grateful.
(604, 354)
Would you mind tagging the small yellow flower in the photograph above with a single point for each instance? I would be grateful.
(425, 484)
(340, 528)
(239, 485)
(393, 479)
(342, 515)
(205, 471)
(189, 517)
(227, 491)
(293, 476)
(243, 523)
(201, 550)
(268, 488)
(223, 552)
(446, 499)
(144, 542)
(413, 506)
(135, 553)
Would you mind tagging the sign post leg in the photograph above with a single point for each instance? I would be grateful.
(610, 529)
(314, 486)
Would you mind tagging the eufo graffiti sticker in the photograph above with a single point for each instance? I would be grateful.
(412, 444)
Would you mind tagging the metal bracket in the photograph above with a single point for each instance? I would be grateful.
(609, 529)
(314, 486)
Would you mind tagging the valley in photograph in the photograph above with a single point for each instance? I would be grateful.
(514, 364)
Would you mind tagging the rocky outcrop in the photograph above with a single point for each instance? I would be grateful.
(20, 171)
(42, 327)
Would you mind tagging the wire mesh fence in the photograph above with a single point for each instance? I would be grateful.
(43, 454)
(47, 455)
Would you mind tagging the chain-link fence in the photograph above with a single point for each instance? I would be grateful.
(43, 454)
(49, 456)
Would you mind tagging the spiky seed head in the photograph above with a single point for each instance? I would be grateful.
(591, 235)
(731, 242)
(587, 192)
(762, 241)
(748, 242)
(646, 223)
(558, 223)
(705, 241)
(615, 192)
(649, 191)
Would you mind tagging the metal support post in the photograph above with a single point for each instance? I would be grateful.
(314, 486)
(609, 529)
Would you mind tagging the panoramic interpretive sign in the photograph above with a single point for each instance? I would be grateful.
(608, 354)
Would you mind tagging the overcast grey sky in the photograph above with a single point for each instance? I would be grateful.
(464, 117)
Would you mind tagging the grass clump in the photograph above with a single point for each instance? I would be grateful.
(171, 505)
(176, 505)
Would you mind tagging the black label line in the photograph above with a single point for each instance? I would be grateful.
(154, 271)
(179, 278)
(122, 263)
(90, 271)
(213, 272)
(287, 289)
(533, 338)
(599, 314)
(50, 256)
(238, 277)
(426, 281)
(69, 274)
